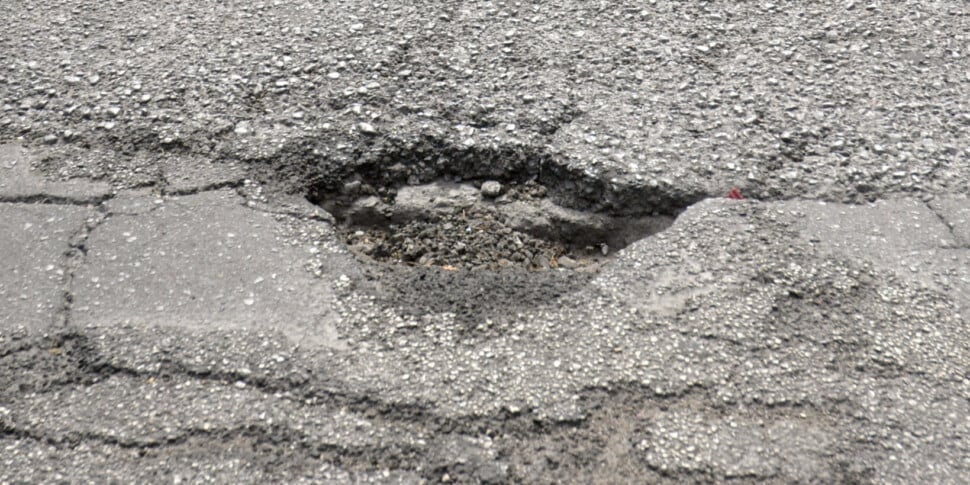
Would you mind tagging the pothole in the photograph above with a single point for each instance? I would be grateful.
(480, 225)
(481, 234)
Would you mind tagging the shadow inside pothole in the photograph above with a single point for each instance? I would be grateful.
(480, 225)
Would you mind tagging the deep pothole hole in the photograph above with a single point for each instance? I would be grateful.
(479, 236)
(484, 224)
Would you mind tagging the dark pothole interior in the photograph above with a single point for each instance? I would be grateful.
(479, 225)
(480, 233)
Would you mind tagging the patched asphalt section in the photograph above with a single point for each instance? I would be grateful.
(480, 301)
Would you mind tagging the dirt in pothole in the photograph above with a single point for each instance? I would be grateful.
(487, 227)
(473, 238)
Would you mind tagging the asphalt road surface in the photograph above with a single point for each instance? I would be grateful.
(484, 242)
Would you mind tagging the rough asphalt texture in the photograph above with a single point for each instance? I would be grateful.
(173, 309)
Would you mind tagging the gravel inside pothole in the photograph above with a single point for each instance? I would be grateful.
(473, 238)
(488, 227)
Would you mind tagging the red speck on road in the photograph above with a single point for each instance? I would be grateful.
(735, 194)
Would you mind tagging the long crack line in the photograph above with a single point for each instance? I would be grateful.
(73, 258)
(950, 227)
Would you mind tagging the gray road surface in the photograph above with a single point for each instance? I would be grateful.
(174, 308)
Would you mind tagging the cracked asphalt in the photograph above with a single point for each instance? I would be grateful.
(174, 309)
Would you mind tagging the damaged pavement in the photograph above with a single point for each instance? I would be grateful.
(231, 257)
(198, 335)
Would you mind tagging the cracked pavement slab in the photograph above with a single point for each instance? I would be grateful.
(201, 260)
(36, 246)
(176, 308)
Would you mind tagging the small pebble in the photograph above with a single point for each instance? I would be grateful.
(491, 189)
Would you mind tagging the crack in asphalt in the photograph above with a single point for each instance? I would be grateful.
(73, 258)
(517, 434)
(622, 107)
(951, 228)
(360, 458)
(230, 184)
(82, 361)
(50, 199)
(513, 429)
